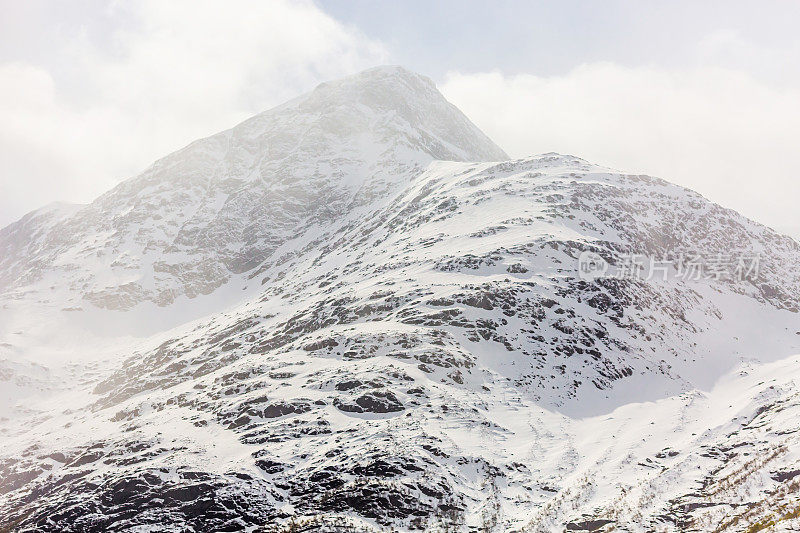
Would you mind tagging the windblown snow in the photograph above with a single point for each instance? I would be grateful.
(354, 312)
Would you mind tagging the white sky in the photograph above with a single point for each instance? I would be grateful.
(705, 94)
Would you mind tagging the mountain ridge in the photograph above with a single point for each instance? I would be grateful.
(322, 152)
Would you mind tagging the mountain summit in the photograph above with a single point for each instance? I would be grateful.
(396, 107)
(355, 324)
(221, 205)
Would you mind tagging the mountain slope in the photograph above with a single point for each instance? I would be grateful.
(412, 346)
(221, 205)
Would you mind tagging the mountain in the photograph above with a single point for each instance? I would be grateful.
(222, 205)
(354, 312)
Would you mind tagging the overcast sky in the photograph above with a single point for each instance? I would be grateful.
(705, 94)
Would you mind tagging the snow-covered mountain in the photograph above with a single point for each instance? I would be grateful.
(354, 312)
(222, 205)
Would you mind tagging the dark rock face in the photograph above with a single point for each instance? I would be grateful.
(785, 476)
(588, 525)
(373, 402)
(194, 502)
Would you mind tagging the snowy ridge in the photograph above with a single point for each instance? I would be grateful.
(372, 330)
(219, 206)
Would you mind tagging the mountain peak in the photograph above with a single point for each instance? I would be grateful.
(348, 143)
(381, 117)
(404, 85)
(383, 74)
(396, 105)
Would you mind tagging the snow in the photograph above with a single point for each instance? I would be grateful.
(349, 299)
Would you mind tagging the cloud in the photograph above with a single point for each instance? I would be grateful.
(105, 107)
(719, 131)
(773, 64)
